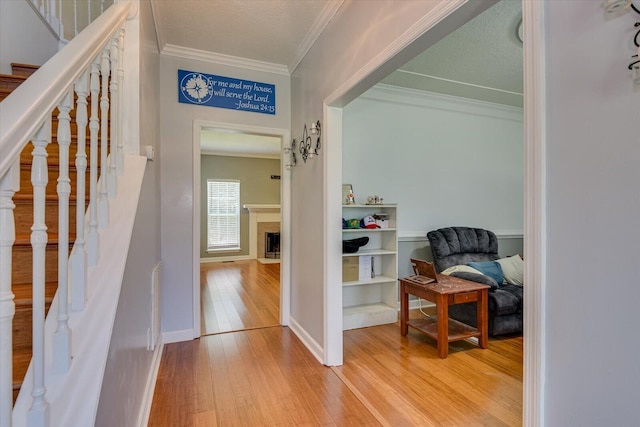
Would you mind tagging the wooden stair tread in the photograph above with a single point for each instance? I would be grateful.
(23, 294)
(18, 69)
(25, 239)
(49, 198)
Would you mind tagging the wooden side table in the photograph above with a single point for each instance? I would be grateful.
(447, 291)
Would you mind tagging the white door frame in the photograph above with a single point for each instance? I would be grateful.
(534, 197)
(285, 213)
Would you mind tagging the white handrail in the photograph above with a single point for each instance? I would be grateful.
(31, 103)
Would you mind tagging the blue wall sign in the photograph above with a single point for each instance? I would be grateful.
(226, 92)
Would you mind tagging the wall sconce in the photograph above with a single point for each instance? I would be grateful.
(308, 149)
(619, 7)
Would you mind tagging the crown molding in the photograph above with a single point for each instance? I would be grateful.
(222, 59)
(205, 152)
(421, 98)
(316, 29)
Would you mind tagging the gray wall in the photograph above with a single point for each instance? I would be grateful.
(256, 187)
(24, 38)
(177, 174)
(445, 160)
(129, 365)
(593, 152)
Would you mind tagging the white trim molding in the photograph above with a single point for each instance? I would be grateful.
(425, 99)
(219, 58)
(307, 340)
(329, 10)
(177, 336)
(421, 236)
(535, 221)
(224, 259)
(284, 217)
(147, 399)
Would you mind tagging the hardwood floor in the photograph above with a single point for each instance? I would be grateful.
(261, 377)
(266, 377)
(239, 295)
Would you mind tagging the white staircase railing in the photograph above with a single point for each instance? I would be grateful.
(83, 67)
(67, 18)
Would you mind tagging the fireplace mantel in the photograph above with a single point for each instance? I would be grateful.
(262, 208)
(259, 213)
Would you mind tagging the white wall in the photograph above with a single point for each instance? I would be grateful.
(177, 174)
(23, 36)
(446, 161)
(355, 38)
(130, 364)
(593, 206)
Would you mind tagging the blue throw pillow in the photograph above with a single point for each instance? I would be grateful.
(489, 268)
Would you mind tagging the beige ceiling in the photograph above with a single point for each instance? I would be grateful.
(481, 60)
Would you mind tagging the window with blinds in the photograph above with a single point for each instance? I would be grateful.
(223, 215)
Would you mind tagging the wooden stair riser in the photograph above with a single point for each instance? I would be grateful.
(53, 154)
(22, 263)
(51, 189)
(23, 214)
(10, 82)
(23, 326)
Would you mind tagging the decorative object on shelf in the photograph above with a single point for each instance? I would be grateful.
(291, 151)
(620, 7)
(347, 195)
(375, 200)
(309, 150)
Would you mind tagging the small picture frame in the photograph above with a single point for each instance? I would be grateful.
(347, 189)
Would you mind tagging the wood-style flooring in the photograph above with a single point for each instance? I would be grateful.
(239, 295)
(266, 377)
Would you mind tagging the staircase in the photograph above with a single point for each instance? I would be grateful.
(23, 212)
(72, 104)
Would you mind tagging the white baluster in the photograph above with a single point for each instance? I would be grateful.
(120, 145)
(9, 185)
(39, 412)
(62, 335)
(103, 202)
(79, 254)
(89, 12)
(112, 174)
(59, 19)
(94, 126)
(101, 6)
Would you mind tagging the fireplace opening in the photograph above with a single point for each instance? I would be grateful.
(272, 245)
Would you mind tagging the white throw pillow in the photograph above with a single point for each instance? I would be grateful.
(460, 268)
(513, 270)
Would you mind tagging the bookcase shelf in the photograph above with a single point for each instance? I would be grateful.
(372, 301)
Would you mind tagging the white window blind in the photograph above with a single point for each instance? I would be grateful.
(223, 214)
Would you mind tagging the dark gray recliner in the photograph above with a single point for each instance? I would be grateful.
(460, 245)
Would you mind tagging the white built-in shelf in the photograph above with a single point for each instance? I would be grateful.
(371, 252)
(368, 230)
(371, 302)
(377, 279)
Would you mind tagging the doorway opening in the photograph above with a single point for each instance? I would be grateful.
(235, 286)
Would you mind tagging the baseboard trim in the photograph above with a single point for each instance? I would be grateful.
(224, 259)
(147, 400)
(306, 339)
(177, 336)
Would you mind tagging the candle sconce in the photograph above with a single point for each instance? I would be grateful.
(620, 7)
(291, 151)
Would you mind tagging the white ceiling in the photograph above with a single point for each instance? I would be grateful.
(481, 60)
(227, 143)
